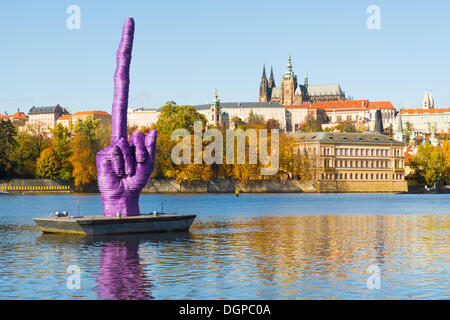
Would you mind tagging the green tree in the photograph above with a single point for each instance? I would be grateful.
(25, 155)
(61, 146)
(87, 127)
(174, 117)
(48, 164)
(7, 143)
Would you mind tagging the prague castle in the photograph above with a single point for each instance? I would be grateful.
(293, 93)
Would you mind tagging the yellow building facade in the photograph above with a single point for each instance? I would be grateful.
(354, 162)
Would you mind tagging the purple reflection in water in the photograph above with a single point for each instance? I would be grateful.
(121, 276)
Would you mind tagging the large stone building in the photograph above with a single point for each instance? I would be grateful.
(224, 112)
(420, 122)
(142, 117)
(46, 116)
(354, 162)
(67, 120)
(428, 120)
(362, 113)
(293, 93)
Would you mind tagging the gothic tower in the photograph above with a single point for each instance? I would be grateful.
(271, 83)
(264, 88)
(288, 85)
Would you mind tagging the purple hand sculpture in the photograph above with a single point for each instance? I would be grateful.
(123, 168)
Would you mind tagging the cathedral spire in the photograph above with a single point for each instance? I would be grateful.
(306, 79)
(271, 79)
(289, 73)
(264, 88)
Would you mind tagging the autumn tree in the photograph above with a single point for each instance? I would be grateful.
(83, 161)
(255, 119)
(272, 124)
(446, 156)
(311, 125)
(428, 164)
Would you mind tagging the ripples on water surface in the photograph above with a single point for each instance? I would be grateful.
(252, 247)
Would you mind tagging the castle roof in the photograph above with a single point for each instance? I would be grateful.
(50, 109)
(346, 138)
(321, 90)
(238, 105)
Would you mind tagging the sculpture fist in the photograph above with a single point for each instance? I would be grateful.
(123, 168)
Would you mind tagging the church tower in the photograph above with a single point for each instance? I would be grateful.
(288, 85)
(264, 88)
(215, 112)
(428, 101)
(399, 135)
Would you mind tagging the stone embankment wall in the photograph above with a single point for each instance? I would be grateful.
(219, 186)
(362, 186)
(228, 186)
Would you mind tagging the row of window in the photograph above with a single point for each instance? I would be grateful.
(362, 152)
(360, 176)
(362, 163)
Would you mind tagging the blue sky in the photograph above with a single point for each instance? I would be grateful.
(185, 49)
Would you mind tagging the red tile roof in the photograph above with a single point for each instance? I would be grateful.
(345, 105)
(86, 113)
(15, 116)
(65, 117)
(424, 111)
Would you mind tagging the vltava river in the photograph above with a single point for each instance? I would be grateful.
(319, 246)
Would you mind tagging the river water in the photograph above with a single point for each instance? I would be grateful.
(273, 246)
